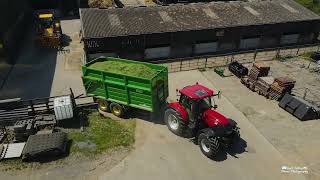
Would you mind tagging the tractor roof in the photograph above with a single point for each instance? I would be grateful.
(44, 16)
(196, 91)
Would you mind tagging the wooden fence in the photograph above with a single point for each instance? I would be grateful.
(192, 63)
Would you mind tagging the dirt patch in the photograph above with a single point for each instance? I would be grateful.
(75, 166)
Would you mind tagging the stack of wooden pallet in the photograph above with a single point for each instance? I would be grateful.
(257, 70)
(263, 85)
(280, 87)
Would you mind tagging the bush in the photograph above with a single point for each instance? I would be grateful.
(310, 5)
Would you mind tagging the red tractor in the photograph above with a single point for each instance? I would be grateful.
(195, 112)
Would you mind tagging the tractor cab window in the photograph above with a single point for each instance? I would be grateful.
(47, 23)
(185, 102)
(205, 104)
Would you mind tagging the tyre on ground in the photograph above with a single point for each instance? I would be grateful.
(209, 146)
(174, 121)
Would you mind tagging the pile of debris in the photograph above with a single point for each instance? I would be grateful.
(23, 129)
(35, 135)
(257, 70)
(101, 3)
(268, 86)
(280, 87)
(263, 85)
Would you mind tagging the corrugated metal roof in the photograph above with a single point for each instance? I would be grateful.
(158, 19)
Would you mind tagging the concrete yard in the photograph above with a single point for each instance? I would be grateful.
(271, 138)
(161, 155)
(296, 140)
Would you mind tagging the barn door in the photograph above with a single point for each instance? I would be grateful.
(205, 48)
(249, 43)
(157, 53)
(289, 39)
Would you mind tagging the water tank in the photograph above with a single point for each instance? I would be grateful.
(63, 107)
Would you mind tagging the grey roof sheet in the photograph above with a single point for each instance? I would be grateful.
(146, 20)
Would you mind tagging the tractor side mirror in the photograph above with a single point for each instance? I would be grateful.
(215, 106)
(177, 94)
(219, 94)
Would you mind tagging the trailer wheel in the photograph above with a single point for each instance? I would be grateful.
(103, 105)
(174, 122)
(208, 146)
(117, 109)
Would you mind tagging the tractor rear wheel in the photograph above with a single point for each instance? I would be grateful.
(174, 121)
(236, 135)
(103, 105)
(209, 145)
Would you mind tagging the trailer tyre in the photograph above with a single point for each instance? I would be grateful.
(117, 109)
(103, 105)
(174, 122)
(209, 146)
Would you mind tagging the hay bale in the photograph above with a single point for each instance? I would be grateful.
(130, 69)
(100, 3)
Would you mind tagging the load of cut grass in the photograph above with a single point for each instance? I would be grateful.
(130, 69)
(100, 3)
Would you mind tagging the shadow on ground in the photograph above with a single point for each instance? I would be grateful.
(234, 150)
(32, 75)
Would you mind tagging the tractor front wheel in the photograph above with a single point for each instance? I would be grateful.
(209, 145)
(174, 121)
(236, 135)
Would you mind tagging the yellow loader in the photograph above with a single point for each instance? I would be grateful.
(48, 29)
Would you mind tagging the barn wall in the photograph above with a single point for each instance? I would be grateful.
(186, 44)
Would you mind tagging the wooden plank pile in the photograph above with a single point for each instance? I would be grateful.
(263, 85)
(268, 86)
(280, 87)
(257, 70)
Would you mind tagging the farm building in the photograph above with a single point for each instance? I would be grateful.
(179, 31)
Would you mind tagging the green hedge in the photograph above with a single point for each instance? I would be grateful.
(310, 5)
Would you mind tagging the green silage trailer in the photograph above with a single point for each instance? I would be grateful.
(119, 84)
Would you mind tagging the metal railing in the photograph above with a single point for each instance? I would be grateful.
(221, 60)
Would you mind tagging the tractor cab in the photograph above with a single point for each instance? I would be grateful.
(46, 23)
(196, 99)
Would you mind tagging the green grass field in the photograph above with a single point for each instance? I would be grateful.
(105, 133)
(309, 4)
